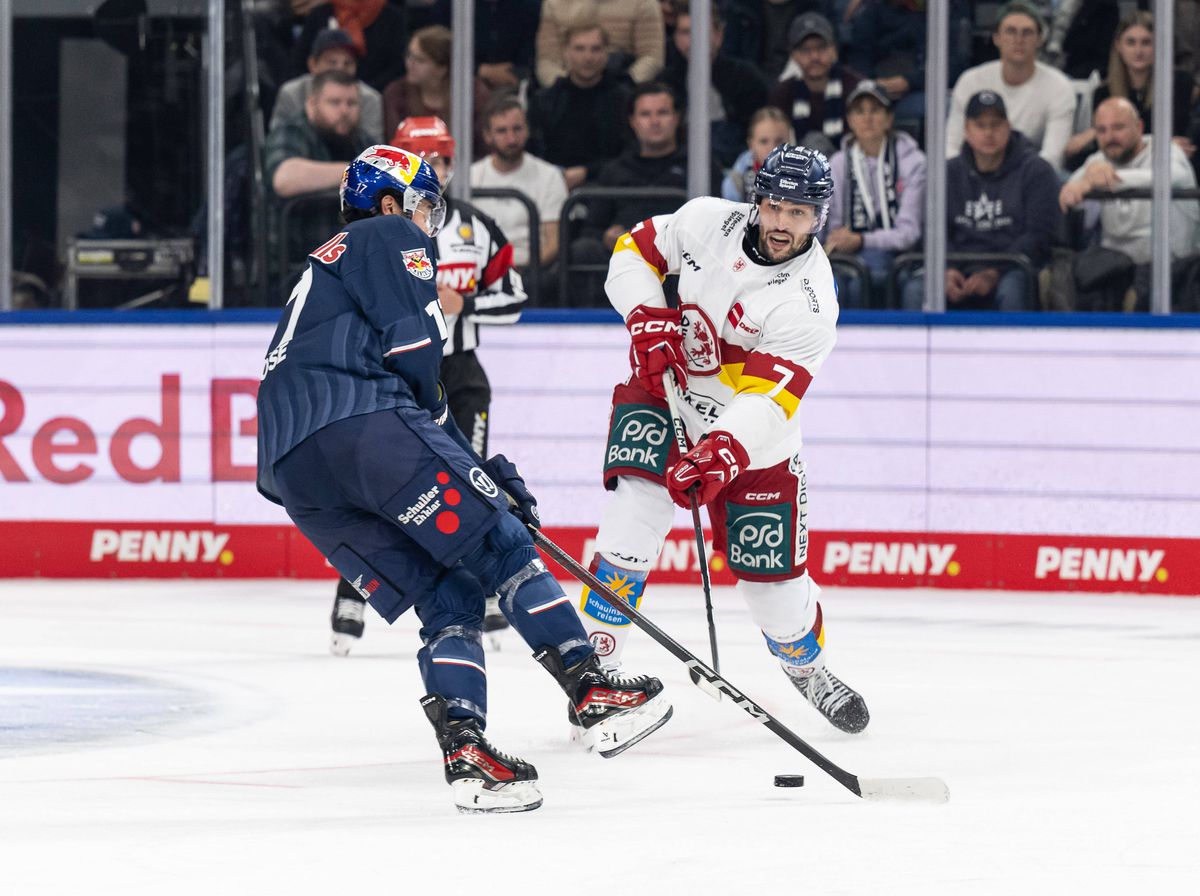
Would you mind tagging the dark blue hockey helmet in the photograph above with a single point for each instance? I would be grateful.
(795, 174)
(383, 167)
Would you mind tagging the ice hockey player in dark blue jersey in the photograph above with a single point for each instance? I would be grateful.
(355, 442)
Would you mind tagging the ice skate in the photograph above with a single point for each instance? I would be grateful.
(482, 778)
(494, 622)
(346, 619)
(842, 706)
(610, 712)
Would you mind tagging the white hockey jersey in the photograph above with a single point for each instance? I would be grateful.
(754, 334)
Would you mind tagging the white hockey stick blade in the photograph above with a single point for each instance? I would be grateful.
(904, 790)
(704, 684)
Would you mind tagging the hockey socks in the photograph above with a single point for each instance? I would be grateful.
(608, 628)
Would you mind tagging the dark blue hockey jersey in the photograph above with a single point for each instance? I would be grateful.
(362, 331)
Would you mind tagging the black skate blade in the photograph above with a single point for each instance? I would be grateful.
(904, 790)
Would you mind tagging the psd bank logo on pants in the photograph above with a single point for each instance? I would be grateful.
(638, 438)
(760, 538)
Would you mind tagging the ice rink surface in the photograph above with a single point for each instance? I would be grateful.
(198, 738)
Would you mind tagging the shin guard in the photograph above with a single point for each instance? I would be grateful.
(608, 629)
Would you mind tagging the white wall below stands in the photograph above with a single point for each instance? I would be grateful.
(1074, 431)
(955, 429)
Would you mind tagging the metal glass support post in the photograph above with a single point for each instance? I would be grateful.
(6, 155)
(462, 94)
(1160, 151)
(698, 81)
(216, 153)
(937, 72)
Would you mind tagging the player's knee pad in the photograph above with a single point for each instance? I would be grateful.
(607, 627)
(789, 615)
(505, 551)
(635, 523)
(534, 603)
(452, 665)
(456, 599)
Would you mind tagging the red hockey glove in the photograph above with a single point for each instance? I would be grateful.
(656, 345)
(715, 462)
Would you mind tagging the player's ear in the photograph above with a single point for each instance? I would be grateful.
(388, 205)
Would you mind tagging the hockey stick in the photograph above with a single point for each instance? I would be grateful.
(670, 387)
(924, 790)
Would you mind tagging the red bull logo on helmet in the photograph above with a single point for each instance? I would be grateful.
(386, 157)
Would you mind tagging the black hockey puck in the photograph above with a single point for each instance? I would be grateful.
(789, 780)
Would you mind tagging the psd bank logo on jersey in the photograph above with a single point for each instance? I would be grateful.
(703, 353)
(638, 438)
(760, 538)
(417, 263)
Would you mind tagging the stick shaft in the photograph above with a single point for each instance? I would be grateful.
(677, 424)
(694, 664)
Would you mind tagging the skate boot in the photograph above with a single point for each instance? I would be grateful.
(347, 619)
(843, 707)
(482, 778)
(612, 712)
(494, 621)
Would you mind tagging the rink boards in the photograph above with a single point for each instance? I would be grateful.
(967, 457)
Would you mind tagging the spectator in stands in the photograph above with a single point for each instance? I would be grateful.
(878, 203)
(309, 154)
(1079, 36)
(332, 49)
(505, 33)
(657, 160)
(888, 45)
(768, 128)
(1187, 38)
(508, 165)
(1104, 275)
(738, 87)
(375, 26)
(634, 29)
(999, 198)
(578, 123)
(424, 90)
(815, 101)
(1040, 99)
(777, 18)
(1131, 75)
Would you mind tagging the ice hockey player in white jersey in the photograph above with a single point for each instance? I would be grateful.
(756, 320)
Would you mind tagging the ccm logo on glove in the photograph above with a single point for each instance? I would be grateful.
(715, 462)
(656, 345)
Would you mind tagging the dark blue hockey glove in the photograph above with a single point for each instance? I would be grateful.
(506, 475)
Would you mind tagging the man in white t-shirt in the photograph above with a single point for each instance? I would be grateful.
(506, 131)
(1039, 98)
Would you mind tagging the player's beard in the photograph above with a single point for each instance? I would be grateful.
(767, 250)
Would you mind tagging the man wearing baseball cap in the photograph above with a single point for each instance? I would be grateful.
(332, 49)
(878, 201)
(815, 99)
(1040, 100)
(1001, 196)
